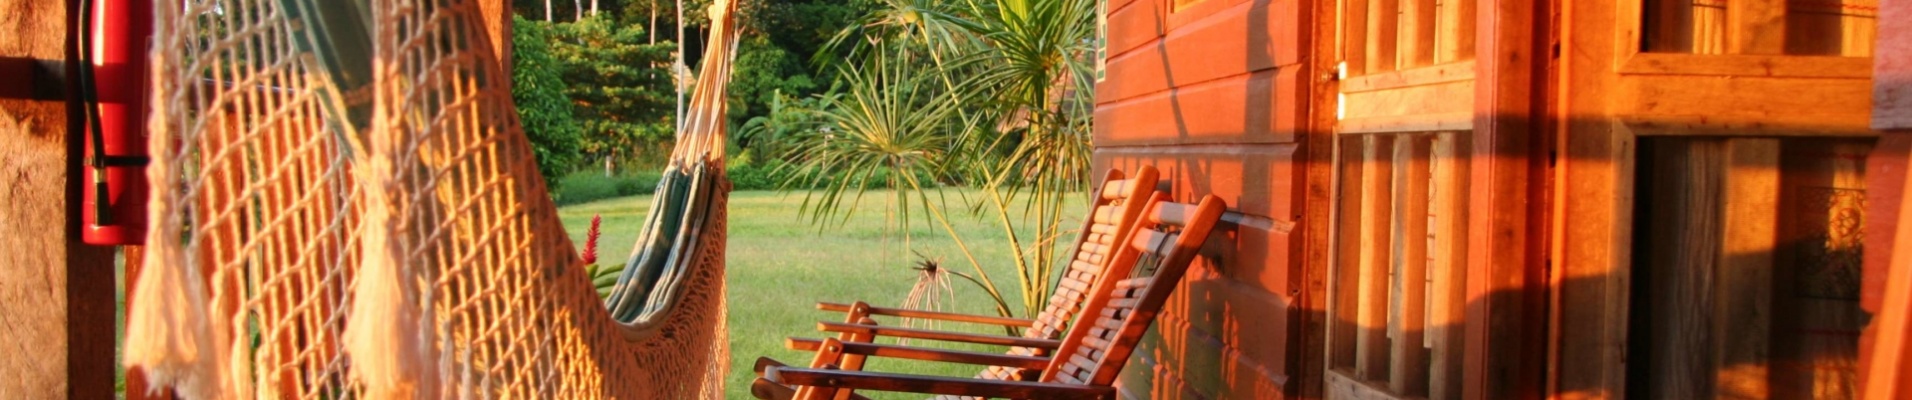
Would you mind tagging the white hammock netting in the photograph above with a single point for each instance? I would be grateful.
(296, 253)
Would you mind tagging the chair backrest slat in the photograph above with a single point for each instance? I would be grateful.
(1141, 276)
(1121, 202)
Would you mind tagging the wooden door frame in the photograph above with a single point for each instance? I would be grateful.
(1608, 89)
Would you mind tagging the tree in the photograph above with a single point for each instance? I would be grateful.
(543, 109)
(620, 88)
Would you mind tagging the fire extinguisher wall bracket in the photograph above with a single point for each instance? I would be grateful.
(114, 213)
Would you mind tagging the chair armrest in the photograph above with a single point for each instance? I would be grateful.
(926, 354)
(767, 390)
(935, 315)
(934, 384)
(927, 334)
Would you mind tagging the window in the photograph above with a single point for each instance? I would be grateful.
(1792, 27)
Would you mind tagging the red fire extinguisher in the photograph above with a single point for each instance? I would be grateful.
(114, 200)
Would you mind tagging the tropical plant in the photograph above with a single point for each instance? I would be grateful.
(998, 95)
(889, 129)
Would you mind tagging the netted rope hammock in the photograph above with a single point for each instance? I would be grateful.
(305, 247)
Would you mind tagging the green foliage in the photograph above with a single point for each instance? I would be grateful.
(762, 72)
(543, 109)
(999, 96)
(620, 88)
(775, 135)
(589, 186)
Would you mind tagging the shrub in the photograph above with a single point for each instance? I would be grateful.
(588, 186)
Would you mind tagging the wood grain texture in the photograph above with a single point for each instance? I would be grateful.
(1756, 26)
(933, 384)
(1505, 325)
(1681, 256)
(1407, 292)
(1226, 338)
(1371, 285)
(1135, 24)
(1319, 203)
(1254, 108)
(1256, 180)
(56, 294)
(1454, 31)
(1417, 37)
(1347, 253)
(1668, 105)
(1743, 307)
(1247, 37)
(1343, 386)
(1447, 244)
(1892, 68)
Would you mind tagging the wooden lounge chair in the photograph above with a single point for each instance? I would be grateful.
(1089, 355)
(1117, 206)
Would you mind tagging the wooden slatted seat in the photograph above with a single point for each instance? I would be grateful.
(1117, 206)
(1089, 355)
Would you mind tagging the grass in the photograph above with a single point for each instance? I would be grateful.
(780, 264)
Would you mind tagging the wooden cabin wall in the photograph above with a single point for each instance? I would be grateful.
(56, 294)
(1213, 92)
(1892, 116)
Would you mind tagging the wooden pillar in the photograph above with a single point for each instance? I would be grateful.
(56, 294)
(1887, 292)
(1505, 287)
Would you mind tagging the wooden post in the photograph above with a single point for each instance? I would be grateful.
(1504, 266)
(1371, 302)
(56, 294)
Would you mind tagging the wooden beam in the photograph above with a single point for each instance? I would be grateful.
(1382, 37)
(1417, 37)
(56, 293)
(1756, 27)
(1347, 255)
(1454, 31)
(1448, 245)
(1678, 265)
(1505, 262)
(1887, 375)
(1308, 355)
(1743, 304)
(1371, 285)
(1593, 215)
(1408, 368)
(1354, 36)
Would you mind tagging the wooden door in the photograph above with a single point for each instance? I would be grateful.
(1714, 156)
(1746, 268)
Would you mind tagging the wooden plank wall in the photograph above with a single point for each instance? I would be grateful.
(1212, 92)
(56, 294)
(1886, 177)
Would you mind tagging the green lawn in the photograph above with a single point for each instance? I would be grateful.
(780, 264)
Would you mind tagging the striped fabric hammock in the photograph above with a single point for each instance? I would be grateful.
(345, 206)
